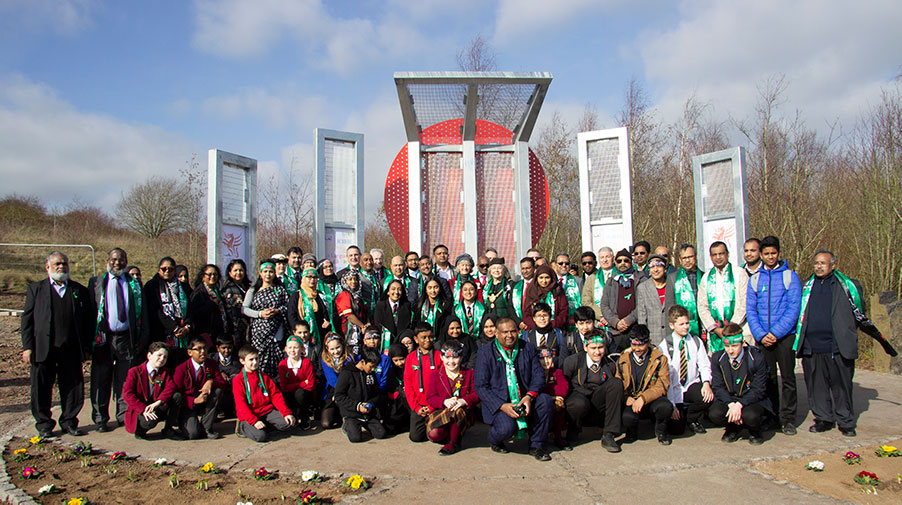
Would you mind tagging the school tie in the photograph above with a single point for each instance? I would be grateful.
(152, 376)
(120, 302)
(469, 313)
(594, 368)
(542, 340)
(684, 363)
(394, 312)
(200, 374)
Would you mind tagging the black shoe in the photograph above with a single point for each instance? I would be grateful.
(45, 433)
(849, 432)
(609, 444)
(500, 448)
(212, 435)
(820, 427)
(74, 431)
(664, 439)
(562, 445)
(789, 429)
(730, 436)
(103, 427)
(630, 437)
(697, 428)
(755, 438)
(172, 434)
(141, 435)
(539, 454)
(447, 451)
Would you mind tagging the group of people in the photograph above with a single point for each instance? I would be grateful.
(425, 345)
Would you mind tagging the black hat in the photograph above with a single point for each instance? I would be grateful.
(623, 252)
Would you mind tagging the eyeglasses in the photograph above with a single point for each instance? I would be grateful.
(623, 260)
(209, 274)
(588, 262)
(637, 253)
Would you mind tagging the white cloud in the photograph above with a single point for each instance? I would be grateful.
(50, 149)
(66, 17)
(834, 54)
(276, 110)
(516, 19)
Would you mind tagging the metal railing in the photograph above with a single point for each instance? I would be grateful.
(49, 247)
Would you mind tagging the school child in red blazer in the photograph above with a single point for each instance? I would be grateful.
(145, 394)
(451, 397)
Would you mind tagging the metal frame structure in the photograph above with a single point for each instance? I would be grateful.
(612, 231)
(219, 187)
(726, 220)
(472, 84)
(323, 225)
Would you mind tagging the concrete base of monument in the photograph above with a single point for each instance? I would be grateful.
(696, 469)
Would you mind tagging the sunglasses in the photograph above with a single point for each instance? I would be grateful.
(639, 253)
(483, 265)
(623, 260)
(167, 269)
(563, 262)
(588, 262)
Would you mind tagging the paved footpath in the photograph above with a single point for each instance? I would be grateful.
(696, 469)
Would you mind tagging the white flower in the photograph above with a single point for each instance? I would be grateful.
(309, 475)
(815, 465)
(244, 503)
(46, 489)
(160, 461)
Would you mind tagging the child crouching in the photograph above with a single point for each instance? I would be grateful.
(258, 401)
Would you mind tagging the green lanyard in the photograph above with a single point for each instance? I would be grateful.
(247, 387)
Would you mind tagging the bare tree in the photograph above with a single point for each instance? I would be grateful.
(154, 207)
(556, 148)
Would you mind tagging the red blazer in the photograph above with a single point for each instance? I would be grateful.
(136, 392)
(557, 384)
(415, 397)
(440, 389)
(185, 382)
(260, 403)
(289, 382)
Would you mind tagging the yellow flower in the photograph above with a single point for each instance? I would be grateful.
(34, 440)
(207, 468)
(889, 448)
(20, 451)
(74, 501)
(355, 481)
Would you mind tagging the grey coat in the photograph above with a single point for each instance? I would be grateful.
(651, 312)
(609, 301)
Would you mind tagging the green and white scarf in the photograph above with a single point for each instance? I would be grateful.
(686, 297)
(455, 291)
(310, 317)
(289, 280)
(428, 314)
(806, 293)
(134, 305)
(470, 326)
(571, 291)
(598, 287)
(517, 297)
(329, 292)
(510, 373)
(721, 310)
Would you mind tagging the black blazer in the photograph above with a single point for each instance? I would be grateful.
(138, 330)
(845, 329)
(576, 369)
(37, 316)
(351, 388)
(294, 316)
(747, 385)
(556, 341)
(205, 316)
(384, 319)
(160, 325)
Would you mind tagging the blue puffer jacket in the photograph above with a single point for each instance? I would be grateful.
(772, 308)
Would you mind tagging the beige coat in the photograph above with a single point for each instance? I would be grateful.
(741, 282)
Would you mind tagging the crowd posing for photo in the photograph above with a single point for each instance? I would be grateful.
(430, 347)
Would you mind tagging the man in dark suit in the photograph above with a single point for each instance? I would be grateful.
(828, 344)
(509, 381)
(122, 335)
(56, 338)
(739, 381)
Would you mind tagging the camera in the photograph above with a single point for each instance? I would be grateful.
(520, 409)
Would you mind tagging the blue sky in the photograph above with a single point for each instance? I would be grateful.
(97, 95)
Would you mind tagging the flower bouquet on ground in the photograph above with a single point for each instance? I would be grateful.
(311, 476)
(888, 451)
(852, 458)
(356, 482)
(30, 472)
(867, 478)
(263, 474)
(307, 496)
(815, 466)
(21, 454)
(117, 456)
(209, 468)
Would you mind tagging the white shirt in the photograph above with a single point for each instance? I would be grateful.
(446, 273)
(698, 366)
(589, 362)
(59, 288)
(294, 366)
(196, 366)
(151, 369)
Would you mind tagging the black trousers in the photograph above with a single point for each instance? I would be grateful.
(828, 378)
(109, 368)
(63, 368)
(397, 419)
(168, 412)
(603, 408)
(299, 402)
(691, 410)
(417, 427)
(785, 395)
(660, 410)
(353, 426)
(198, 421)
(752, 416)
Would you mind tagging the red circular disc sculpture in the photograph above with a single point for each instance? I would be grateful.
(449, 133)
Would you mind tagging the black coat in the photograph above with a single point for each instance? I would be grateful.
(352, 389)
(205, 315)
(747, 385)
(383, 317)
(138, 330)
(294, 316)
(37, 318)
(160, 325)
(845, 330)
(576, 370)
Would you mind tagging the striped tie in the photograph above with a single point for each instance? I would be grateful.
(684, 363)
(541, 340)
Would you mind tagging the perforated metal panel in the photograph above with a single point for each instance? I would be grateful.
(234, 194)
(443, 211)
(494, 202)
(604, 180)
(717, 181)
(340, 181)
